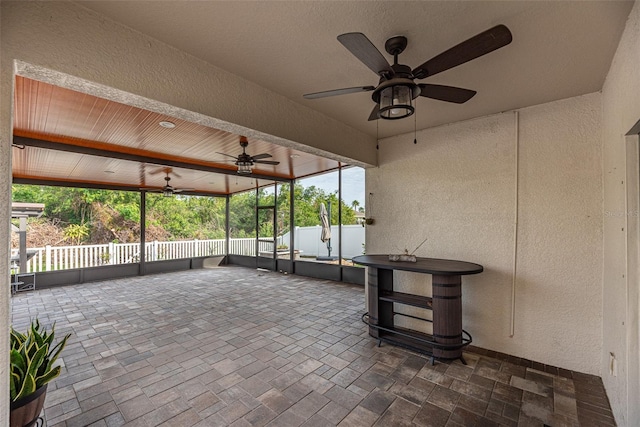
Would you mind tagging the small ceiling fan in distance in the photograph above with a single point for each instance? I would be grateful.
(168, 190)
(245, 161)
(396, 88)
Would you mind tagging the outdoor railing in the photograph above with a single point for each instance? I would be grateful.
(307, 241)
(52, 258)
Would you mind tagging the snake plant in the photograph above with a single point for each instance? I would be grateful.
(32, 357)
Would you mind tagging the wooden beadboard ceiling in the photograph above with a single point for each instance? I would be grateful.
(72, 121)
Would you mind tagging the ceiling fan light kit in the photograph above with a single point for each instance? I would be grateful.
(396, 91)
(244, 168)
(395, 98)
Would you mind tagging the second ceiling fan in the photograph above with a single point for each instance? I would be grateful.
(396, 88)
(168, 190)
(245, 161)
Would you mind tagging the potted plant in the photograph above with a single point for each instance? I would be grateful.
(32, 357)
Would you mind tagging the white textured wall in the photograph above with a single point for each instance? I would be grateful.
(5, 212)
(621, 110)
(456, 187)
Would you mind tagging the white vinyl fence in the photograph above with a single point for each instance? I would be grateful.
(307, 240)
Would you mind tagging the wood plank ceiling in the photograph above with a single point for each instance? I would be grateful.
(71, 138)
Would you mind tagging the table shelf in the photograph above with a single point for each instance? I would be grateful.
(407, 299)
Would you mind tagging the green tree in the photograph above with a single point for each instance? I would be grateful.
(115, 213)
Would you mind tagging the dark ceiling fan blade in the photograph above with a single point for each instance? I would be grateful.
(167, 170)
(362, 48)
(267, 162)
(335, 92)
(481, 44)
(375, 113)
(228, 155)
(261, 156)
(159, 170)
(446, 93)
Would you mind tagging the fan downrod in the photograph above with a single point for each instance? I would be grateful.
(395, 45)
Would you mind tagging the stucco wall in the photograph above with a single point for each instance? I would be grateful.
(456, 188)
(621, 110)
(5, 212)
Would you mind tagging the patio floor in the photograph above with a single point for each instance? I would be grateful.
(237, 346)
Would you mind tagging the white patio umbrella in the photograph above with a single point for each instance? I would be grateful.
(325, 235)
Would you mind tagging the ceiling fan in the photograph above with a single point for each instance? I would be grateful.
(245, 162)
(168, 190)
(396, 88)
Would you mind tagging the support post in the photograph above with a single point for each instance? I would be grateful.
(340, 218)
(22, 234)
(226, 227)
(292, 226)
(143, 232)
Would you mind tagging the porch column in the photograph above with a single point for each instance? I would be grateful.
(143, 231)
(226, 229)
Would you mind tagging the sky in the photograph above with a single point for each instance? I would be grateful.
(352, 184)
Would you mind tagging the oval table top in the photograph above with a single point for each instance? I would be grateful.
(441, 267)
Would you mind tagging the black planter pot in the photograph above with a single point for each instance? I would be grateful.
(25, 411)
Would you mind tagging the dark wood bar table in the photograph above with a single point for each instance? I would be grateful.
(448, 338)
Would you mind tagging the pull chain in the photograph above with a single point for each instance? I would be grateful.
(415, 127)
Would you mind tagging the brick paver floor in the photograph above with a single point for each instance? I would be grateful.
(242, 347)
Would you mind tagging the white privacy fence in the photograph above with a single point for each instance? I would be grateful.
(307, 240)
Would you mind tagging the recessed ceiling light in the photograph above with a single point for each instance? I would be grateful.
(109, 172)
(294, 156)
(167, 124)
